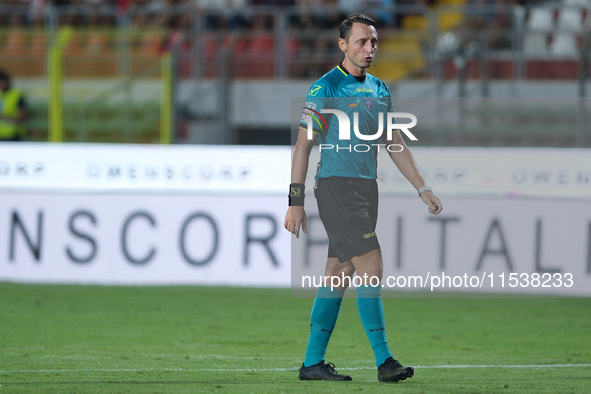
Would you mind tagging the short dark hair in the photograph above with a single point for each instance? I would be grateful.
(347, 24)
(4, 76)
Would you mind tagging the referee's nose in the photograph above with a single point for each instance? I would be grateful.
(369, 48)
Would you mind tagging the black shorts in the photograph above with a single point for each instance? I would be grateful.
(348, 208)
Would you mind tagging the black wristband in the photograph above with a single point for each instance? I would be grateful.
(296, 194)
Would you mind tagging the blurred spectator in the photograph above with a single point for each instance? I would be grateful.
(228, 10)
(13, 111)
(221, 4)
(178, 33)
(377, 9)
(36, 11)
(146, 37)
(98, 37)
(124, 5)
(313, 29)
(156, 6)
(302, 26)
(261, 47)
(330, 21)
(488, 25)
(39, 37)
(277, 3)
(333, 17)
(60, 3)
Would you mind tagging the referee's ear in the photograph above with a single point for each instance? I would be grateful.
(343, 44)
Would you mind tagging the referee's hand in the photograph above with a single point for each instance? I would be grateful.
(432, 201)
(294, 218)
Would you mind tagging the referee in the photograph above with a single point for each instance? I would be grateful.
(347, 197)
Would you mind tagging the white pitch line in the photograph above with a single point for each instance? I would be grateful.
(505, 366)
(288, 369)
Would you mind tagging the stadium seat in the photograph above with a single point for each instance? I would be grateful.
(146, 47)
(564, 44)
(100, 53)
(97, 41)
(38, 42)
(538, 27)
(75, 44)
(398, 57)
(151, 42)
(13, 52)
(237, 41)
(580, 3)
(239, 45)
(209, 43)
(16, 42)
(210, 46)
(293, 45)
(540, 18)
(417, 22)
(569, 26)
(450, 19)
(262, 43)
(261, 55)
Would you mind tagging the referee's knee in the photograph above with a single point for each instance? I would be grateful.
(340, 279)
(373, 274)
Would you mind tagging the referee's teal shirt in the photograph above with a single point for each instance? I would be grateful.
(367, 96)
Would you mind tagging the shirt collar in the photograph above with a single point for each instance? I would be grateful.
(344, 71)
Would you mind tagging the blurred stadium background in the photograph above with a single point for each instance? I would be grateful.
(197, 69)
(144, 164)
(198, 97)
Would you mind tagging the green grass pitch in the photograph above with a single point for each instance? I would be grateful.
(88, 339)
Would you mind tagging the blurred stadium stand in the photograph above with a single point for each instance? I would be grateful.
(231, 58)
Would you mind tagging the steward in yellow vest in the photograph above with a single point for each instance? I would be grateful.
(13, 111)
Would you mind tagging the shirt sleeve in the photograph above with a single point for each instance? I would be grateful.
(389, 97)
(390, 104)
(315, 102)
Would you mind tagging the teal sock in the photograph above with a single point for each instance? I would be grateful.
(322, 321)
(371, 311)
